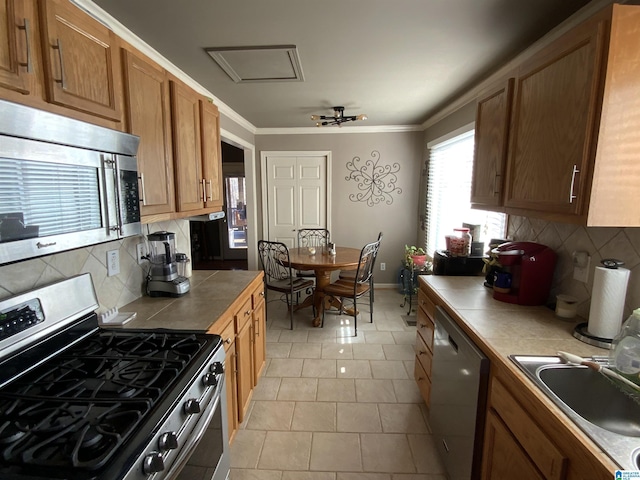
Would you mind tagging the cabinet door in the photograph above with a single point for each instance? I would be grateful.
(15, 54)
(259, 341)
(553, 121)
(211, 154)
(503, 456)
(148, 116)
(187, 154)
(231, 378)
(491, 143)
(82, 62)
(244, 359)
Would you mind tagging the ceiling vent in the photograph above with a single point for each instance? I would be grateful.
(268, 63)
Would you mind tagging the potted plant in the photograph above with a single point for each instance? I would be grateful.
(414, 256)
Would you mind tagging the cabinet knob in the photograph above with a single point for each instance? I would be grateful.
(247, 313)
(228, 341)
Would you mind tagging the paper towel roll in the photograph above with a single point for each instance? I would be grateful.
(607, 301)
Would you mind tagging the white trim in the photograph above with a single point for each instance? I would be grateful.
(250, 174)
(236, 140)
(123, 32)
(469, 127)
(335, 130)
(290, 153)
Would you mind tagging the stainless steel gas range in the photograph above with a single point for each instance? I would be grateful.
(84, 403)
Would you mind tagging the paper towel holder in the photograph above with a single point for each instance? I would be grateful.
(580, 331)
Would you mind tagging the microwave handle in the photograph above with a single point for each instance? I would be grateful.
(108, 162)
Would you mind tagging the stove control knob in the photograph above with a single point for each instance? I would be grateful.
(192, 406)
(217, 368)
(210, 380)
(153, 463)
(168, 441)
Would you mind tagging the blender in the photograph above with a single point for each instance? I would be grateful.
(163, 278)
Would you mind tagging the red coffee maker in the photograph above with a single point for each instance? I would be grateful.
(531, 267)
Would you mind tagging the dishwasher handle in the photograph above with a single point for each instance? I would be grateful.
(453, 343)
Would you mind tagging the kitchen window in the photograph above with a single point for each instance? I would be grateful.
(448, 195)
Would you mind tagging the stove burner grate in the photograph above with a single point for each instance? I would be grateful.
(78, 408)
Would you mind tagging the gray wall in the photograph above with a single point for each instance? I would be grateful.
(355, 223)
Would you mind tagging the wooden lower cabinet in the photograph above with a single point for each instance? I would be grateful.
(425, 329)
(504, 457)
(242, 329)
(244, 358)
(259, 334)
(231, 378)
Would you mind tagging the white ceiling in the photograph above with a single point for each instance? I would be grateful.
(398, 61)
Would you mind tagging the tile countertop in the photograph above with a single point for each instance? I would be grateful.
(501, 329)
(212, 293)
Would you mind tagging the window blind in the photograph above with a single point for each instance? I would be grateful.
(56, 198)
(448, 190)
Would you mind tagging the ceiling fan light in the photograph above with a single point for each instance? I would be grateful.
(362, 116)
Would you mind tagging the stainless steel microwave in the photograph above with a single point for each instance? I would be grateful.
(64, 184)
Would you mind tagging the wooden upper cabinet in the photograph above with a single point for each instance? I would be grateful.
(211, 154)
(147, 114)
(555, 113)
(16, 62)
(491, 141)
(81, 60)
(187, 151)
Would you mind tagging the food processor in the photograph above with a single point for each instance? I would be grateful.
(163, 278)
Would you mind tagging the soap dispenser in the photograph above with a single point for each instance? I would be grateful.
(625, 347)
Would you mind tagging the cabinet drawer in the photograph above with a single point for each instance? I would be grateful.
(549, 460)
(426, 304)
(423, 381)
(425, 328)
(228, 336)
(243, 314)
(257, 297)
(423, 355)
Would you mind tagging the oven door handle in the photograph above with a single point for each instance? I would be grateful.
(195, 436)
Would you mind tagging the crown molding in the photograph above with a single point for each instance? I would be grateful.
(339, 130)
(123, 32)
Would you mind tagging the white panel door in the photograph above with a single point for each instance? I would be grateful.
(296, 195)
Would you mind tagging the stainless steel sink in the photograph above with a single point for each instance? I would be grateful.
(606, 411)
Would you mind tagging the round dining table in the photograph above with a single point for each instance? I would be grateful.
(322, 264)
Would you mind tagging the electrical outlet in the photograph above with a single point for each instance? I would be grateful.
(113, 262)
(581, 267)
(383, 266)
(140, 253)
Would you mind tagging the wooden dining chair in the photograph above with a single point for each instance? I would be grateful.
(351, 274)
(359, 286)
(278, 275)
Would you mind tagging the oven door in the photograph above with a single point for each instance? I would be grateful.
(207, 447)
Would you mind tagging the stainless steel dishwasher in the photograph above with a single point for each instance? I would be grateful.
(459, 377)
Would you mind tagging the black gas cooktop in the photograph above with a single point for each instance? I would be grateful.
(76, 410)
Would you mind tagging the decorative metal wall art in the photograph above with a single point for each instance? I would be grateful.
(376, 182)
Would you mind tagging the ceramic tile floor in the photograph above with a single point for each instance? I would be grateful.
(331, 406)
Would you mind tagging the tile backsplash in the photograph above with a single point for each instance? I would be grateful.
(599, 242)
(114, 291)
